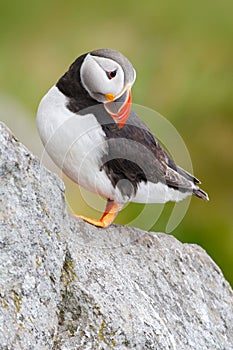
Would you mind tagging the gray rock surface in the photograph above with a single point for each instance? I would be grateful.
(67, 285)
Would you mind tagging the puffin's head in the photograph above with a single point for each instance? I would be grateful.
(106, 74)
(108, 77)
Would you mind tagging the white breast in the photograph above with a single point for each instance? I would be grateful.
(76, 143)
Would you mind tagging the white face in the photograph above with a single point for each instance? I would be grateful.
(101, 76)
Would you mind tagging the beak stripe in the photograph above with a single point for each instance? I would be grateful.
(110, 97)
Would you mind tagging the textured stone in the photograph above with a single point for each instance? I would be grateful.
(67, 285)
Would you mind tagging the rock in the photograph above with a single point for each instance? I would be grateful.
(67, 285)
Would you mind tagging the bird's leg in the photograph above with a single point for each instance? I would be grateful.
(111, 211)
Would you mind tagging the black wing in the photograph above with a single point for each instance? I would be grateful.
(134, 155)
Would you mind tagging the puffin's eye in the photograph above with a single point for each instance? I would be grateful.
(111, 74)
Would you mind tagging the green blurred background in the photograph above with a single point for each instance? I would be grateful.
(182, 51)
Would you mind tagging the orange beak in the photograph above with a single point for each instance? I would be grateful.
(123, 110)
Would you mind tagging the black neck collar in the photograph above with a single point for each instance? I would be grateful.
(71, 86)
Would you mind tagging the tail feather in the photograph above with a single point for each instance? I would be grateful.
(198, 192)
(187, 175)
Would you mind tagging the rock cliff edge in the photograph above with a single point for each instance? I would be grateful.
(67, 285)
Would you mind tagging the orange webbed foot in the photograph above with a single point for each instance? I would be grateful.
(111, 211)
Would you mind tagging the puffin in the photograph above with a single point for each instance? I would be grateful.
(90, 131)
